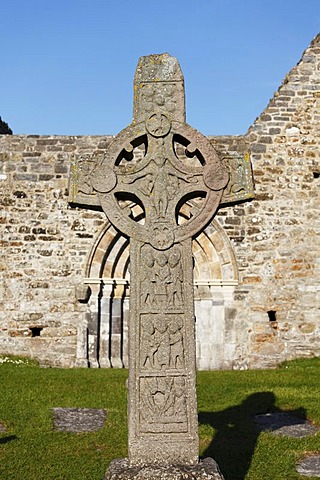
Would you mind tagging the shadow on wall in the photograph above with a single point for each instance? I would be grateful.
(236, 435)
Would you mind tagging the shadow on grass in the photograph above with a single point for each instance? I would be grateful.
(233, 444)
(8, 439)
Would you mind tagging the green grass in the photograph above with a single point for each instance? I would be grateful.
(227, 401)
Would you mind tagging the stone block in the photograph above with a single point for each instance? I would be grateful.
(206, 469)
(78, 419)
(307, 327)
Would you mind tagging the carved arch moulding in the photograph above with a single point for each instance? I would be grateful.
(214, 259)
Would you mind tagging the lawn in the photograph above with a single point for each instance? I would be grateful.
(227, 402)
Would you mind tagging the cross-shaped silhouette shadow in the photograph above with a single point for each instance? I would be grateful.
(233, 444)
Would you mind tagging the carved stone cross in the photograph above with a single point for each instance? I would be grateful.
(160, 183)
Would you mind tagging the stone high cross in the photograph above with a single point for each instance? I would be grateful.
(174, 175)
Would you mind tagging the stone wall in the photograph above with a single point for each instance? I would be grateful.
(279, 256)
(44, 245)
(273, 313)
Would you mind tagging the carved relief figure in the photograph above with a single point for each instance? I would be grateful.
(84, 168)
(146, 184)
(162, 278)
(148, 345)
(164, 401)
(175, 286)
(162, 342)
(162, 273)
(155, 397)
(156, 177)
(237, 177)
(176, 344)
(168, 179)
(148, 278)
(180, 404)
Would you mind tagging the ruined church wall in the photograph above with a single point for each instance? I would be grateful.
(275, 308)
(44, 246)
(277, 241)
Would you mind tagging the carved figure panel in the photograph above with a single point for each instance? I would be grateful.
(162, 95)
(80, 186)
(161, 284)
(162, 342)
(158, 83)
(240, 185)
(163, 405)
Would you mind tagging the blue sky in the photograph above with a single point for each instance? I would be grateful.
(67, 66)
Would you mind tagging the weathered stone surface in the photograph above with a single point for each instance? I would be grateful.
(167, 93)
(206, 469)
(162, 408)
(285, 424)
(310, 466)
(240, 184)
(78, 419)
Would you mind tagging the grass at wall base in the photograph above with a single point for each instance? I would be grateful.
(227, 402)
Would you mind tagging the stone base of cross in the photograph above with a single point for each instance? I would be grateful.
(171, 173)
(206, 469)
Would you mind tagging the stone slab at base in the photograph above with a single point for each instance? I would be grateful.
(206, 469)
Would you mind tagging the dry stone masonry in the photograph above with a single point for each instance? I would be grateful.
(65, 281)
